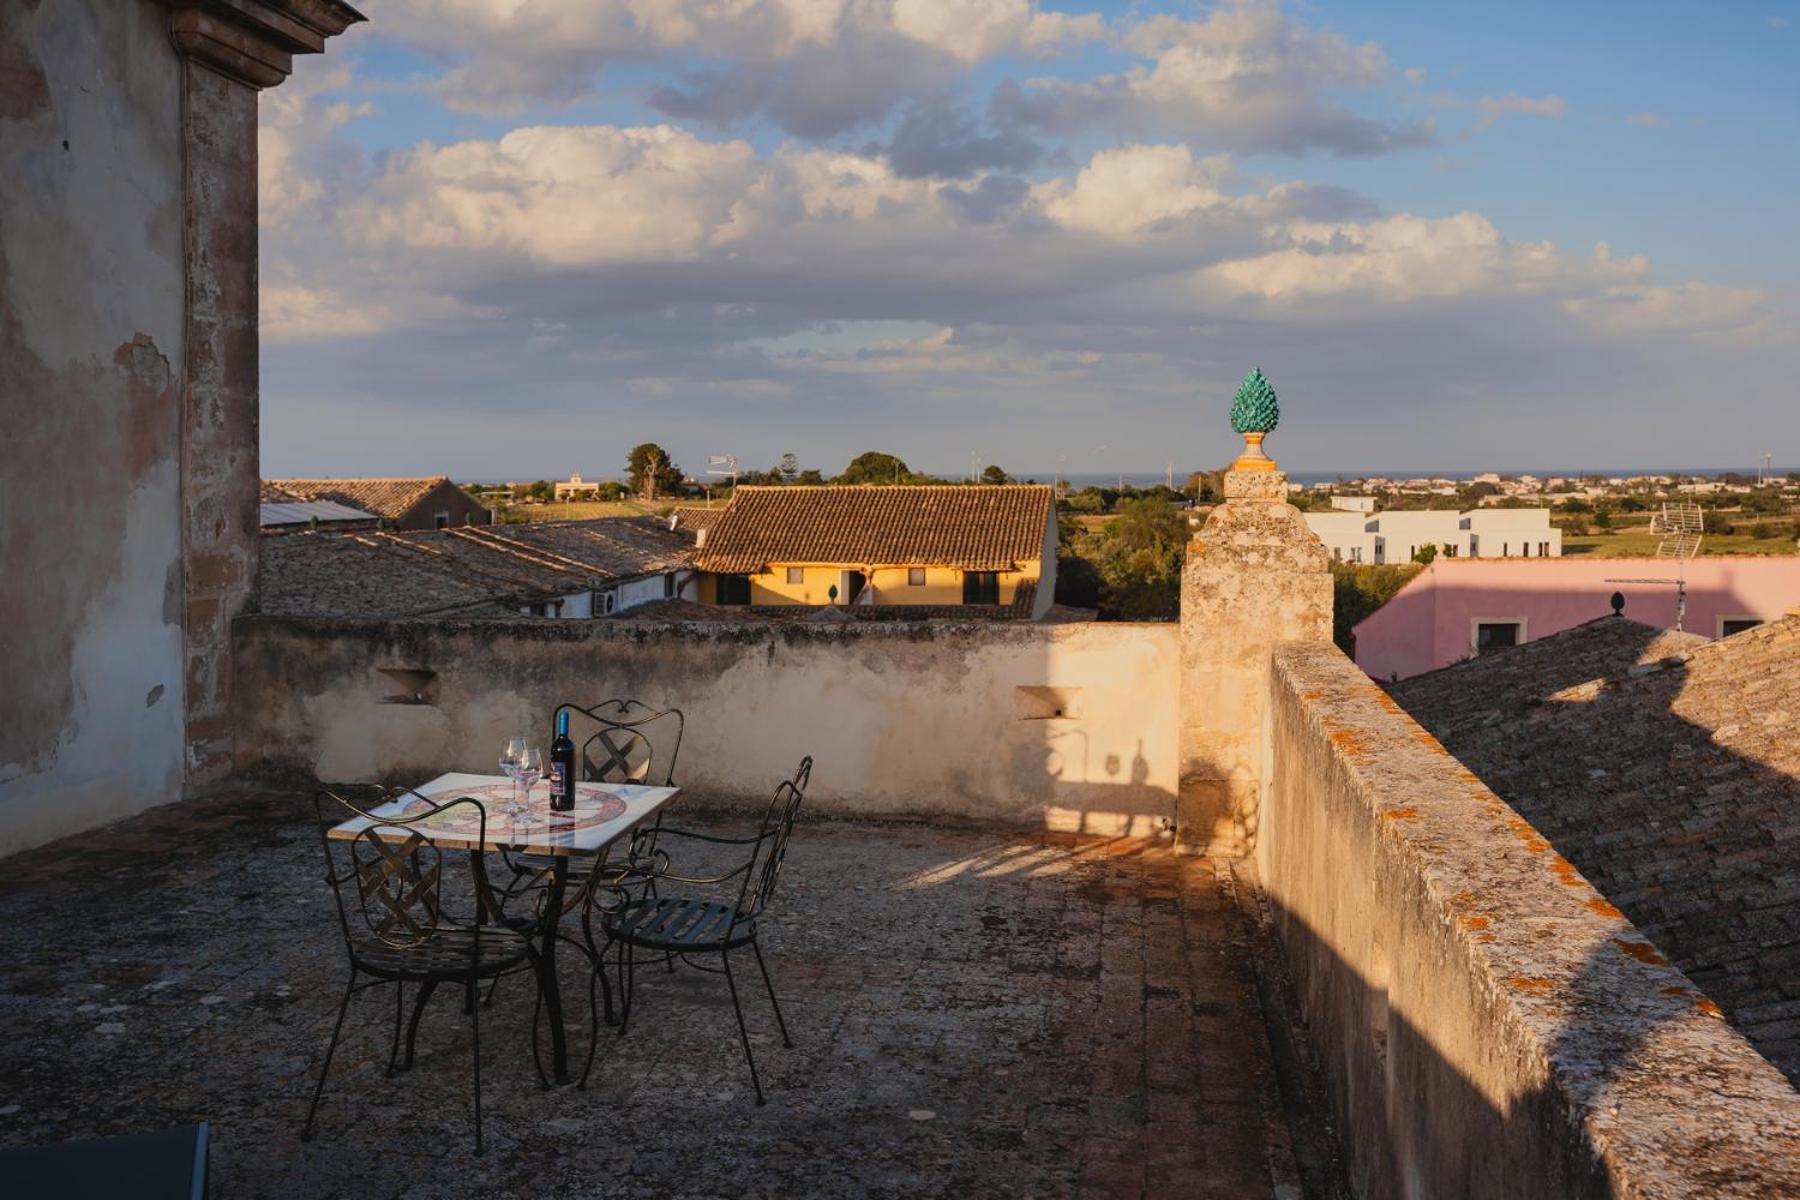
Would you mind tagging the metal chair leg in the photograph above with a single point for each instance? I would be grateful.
(319, 1090)
(743, 1032)
(412, 1027)
(770, 986)
(393, 1066)
(626, 988)
(475, 1027)
(594, 1024)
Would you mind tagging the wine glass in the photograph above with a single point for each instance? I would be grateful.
(529, 770)
(512, 756)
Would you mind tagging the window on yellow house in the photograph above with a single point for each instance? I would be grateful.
(981, 587)
(915, 577)
(796, 574)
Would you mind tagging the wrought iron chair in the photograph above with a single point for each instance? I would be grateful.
(395, 926)
(621, 740)
(684, 926)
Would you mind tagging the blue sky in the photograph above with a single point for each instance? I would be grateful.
(515, 240)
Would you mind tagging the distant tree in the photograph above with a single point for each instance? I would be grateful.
(1153, 525)
(872, 466)
(1205, 486)
(612, 490)
(1358, 591)
(1576, 504)
(1575, 526)
(1714, 521)
(810, 477)
(1603, 518)
(1477, 490)
(652, 472)
(992, 473)
(543, 490)
(1087, 500)
(1425, 554)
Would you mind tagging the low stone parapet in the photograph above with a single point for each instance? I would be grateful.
(1489, 1025)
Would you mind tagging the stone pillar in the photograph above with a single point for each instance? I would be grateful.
(1255, 576)
(229, 52)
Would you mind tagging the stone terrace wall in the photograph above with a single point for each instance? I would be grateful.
(1489, 1025)
(940, 720)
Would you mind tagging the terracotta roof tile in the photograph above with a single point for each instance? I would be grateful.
(971, 528)
(389, 498)
(427, 572)
(1667, 768)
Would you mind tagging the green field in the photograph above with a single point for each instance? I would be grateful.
(1639, 543)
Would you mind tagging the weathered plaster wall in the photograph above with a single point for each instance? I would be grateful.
(1488, 1024)
(91, 676)
(923, 719)
(219, 450)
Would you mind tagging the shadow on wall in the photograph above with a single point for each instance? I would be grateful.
(1089, 792)
(1692, 840)
(1416, 1124)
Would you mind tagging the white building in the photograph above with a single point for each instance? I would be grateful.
(574, 486)
(1349, 536)
(1356, 504)
(1400, 535)
(1511, 533)
(1397, 536)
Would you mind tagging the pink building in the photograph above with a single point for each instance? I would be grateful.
(1459, 607)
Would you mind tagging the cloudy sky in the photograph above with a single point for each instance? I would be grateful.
(515, 237)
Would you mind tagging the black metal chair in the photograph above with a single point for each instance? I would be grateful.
(402, 933)
(684, 926)
(621, 740)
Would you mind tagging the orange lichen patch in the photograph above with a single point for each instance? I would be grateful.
(1644, 952)
(1472, 777)
(1605, 909)
(1531, 985)
(1472, 922)
(1400, 814)
(1534, 841)
(1350, 742)
(1484, 937)
(1700, 1001)
(1566, 872)
(1312, 695)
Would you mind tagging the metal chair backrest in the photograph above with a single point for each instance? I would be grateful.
(626, 741)
(770, 849)
(399, 879)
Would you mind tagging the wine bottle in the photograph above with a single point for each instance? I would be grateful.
(562, 767)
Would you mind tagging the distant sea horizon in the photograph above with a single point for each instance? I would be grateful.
(1143, 479)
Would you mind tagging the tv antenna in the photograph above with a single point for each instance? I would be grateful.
(789, 468)
(723, 464)
(1681, 526)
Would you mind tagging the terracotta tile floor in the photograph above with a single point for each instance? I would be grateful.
(975, 1014)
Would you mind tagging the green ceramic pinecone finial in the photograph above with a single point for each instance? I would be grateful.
(1254, 409)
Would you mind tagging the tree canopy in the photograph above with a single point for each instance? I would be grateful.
(993, 473)
(872, 466)
(652, 472)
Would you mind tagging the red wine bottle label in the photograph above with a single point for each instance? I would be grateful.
(556, 781)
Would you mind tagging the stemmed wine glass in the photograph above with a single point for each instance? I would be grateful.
(529, 770)
(512, 758)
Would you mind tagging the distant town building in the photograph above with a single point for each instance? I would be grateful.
(1360, 504)
(574, 487)
(1397, 536)
(568, 569)
(416, 503)
(1462, 608)
(943, 547)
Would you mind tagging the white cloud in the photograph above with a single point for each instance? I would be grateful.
(554, 50)
(1247, 76)
(1492, 108)
(1126, 190)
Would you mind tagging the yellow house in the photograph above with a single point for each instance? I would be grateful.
(943, 546)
